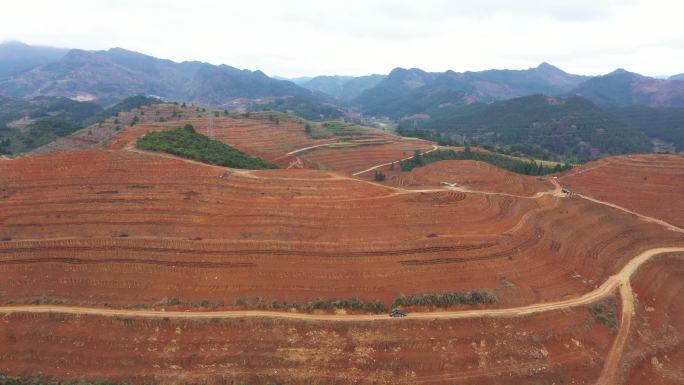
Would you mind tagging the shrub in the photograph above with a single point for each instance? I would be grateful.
(443, 300)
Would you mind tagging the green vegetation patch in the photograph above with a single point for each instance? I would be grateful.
(501, 161)
(572, 129)
(35, 135)
(305, 108)
(339, 128)
(357, 143)
(127, 104)
(373, 306)
(187, 143)
(440, 138)
(442, 300)
(605, 313)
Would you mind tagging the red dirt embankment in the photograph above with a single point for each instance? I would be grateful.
(648, 184)
(545, 347)
(655, 354)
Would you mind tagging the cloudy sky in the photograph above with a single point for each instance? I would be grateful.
(354, 37)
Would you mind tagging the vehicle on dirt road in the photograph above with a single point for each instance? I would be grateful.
(397, 313)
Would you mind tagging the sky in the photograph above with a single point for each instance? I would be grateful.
(356, 37)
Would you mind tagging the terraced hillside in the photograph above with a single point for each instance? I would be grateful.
(219, 231)
(468, 175)
(124, 265)
(285, 142)
(648, 184)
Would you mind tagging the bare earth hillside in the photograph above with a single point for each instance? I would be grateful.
(142, 267)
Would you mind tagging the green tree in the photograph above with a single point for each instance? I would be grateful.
(417, 158)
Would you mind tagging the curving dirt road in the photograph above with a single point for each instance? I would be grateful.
(434, 148)
(611, 365)
(607, 288)
(661, 222)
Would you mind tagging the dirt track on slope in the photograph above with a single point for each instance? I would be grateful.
(620, 280)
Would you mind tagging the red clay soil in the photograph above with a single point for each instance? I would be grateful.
(469, 175)
(125, 229)
(655, 354)
(648, 184)
(556, 347)
(359, 158)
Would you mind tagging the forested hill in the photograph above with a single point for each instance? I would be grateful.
(566, 128)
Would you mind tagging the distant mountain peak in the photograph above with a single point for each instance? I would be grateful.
(621, 71)
(545, 67)
(13, 43)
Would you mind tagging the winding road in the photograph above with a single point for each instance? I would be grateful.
(606, 289)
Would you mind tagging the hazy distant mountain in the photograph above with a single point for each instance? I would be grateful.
(108, 76)
(406, 90)
(17, 57)
(677, 77)
(623, 88)
(298, 81)
(342, 88)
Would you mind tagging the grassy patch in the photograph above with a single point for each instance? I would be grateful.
(187, 143)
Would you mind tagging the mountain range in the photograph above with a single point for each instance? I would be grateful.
(542, 110)
(106, 77)
(17, 57)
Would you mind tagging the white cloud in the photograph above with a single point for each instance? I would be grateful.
(307, 37)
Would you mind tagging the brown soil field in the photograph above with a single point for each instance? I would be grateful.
(648, 184)
(467, 175)
(125, 229)
(554, 347)
(360, 158)
(655, 354)
(118, 228)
